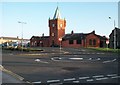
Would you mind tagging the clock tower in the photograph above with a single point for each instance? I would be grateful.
(56, 28)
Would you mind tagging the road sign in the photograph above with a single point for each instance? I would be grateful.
(107, 41)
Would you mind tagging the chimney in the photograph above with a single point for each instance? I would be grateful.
(43, 35)
(93, 31)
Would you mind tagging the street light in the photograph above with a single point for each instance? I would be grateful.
(114, 36)
(60, 39)
(22, 32)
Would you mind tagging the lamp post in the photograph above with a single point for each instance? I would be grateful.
(22, 33)
(60, 39)
(114, 36)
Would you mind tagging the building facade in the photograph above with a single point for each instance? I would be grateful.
(84, 40)
(13, 41)
(114, 41)
(57, 31)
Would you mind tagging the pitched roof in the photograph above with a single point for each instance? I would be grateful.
(117, 31)
(57, 14)
(74, 36)
(39, 37)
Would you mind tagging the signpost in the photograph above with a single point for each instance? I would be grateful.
(60, 39)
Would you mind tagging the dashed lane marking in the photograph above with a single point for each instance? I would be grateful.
(88, 80)
(37, 82)
(51, 81)
(76, 81)
(76, 58)
(70, 79)
(101, 78)
(84, 77)
(115, 77)
(112, 75)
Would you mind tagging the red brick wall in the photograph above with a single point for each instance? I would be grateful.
(57, 30)
(75, 45)
(92, 37)
(39, 43)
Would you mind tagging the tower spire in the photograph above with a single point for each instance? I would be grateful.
(57, 13)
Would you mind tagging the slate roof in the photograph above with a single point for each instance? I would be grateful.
(39, 37)
(76, 36)
(57, 14)
(117, 31)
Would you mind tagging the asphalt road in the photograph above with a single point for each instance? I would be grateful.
(70, 66)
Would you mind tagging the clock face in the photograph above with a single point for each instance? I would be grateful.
(60, 25)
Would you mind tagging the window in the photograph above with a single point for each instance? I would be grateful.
(79, 41)
(70, 41)
(90, 42)
(53, 25)
(94, 42)
(53, 34)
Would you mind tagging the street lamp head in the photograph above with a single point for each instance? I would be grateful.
(109, 17)
(60, 39)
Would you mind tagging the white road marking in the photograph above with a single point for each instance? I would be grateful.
(109, 61)
(76, 58)
(98, 58)
(83, 77)
(76, 81)
(115, 77)
(112, 75)
(70, 79)
(37, 82)
(98, 76)
(102, 78)
(90, 59)
(89, 80)
(55, 59)
(49, 81)
(113, 60)
(37, 60)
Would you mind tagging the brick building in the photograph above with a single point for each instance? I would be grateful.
(84, 40)
(57, 31)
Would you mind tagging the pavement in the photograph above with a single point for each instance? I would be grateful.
(10, 77)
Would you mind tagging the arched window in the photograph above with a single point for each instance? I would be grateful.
(90, 42)
(94, 42)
